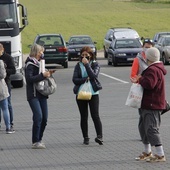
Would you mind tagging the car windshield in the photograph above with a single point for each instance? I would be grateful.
(50, 40)
(80, 40)
(127, 43)
(167, 41)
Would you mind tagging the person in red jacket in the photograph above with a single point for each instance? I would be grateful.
(153, 102)
(139, 63)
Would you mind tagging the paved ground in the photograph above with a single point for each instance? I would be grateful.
(63, 138)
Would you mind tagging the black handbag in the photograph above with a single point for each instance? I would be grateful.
(166, 109)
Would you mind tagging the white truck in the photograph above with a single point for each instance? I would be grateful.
(13, 19)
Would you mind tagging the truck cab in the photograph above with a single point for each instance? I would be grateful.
(13, 19)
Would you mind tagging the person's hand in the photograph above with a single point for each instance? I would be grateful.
(135, 79)
(85, 60)
(52, 71)
(47, 74)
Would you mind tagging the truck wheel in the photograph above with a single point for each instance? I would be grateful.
(17, 84)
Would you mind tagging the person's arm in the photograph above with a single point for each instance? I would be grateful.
(10, 69)
(77, 80)
(2, 70)
(135, 68)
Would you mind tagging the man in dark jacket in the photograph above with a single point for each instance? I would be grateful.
(153, 102)
(10, 69)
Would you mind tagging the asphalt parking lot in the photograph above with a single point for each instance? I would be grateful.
(63, 137)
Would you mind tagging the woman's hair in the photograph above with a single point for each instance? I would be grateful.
(35, 49)
(88, 50)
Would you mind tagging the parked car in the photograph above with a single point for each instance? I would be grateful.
(55, 48)
(163, 46)
(114, 33)
(75, 44)
(123, 50)
(158, 35)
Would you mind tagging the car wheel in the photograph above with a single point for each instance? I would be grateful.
(69, 58)
(164, 59)
(114, 62)
(105, 53)
(65, 64)
(109, 63)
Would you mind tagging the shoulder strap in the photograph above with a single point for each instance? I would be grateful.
(29, 62)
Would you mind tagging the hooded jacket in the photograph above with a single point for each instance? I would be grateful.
(3, 87)
(32, 76)
(153, 83)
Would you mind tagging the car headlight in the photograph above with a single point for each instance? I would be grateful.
(121, 54)
(71, 50)
(93, 49)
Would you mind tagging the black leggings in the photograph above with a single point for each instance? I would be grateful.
(94, 110)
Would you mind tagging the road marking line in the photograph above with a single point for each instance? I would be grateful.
(114, 78)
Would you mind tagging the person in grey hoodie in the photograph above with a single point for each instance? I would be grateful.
(4, 94)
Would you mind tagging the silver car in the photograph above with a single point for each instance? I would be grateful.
(163, 46)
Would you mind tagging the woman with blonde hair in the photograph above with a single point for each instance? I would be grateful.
(37, 101)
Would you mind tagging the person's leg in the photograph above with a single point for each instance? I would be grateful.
(94, 110)
(152, 120)
(37, 119)
(152, 126)
(83, 109)
(147, 153)
(10, 106)
(4, 107)
(141, 127)
(0, 118)
(44, 108)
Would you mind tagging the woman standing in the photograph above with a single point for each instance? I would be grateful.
(37, 102)
(4, 94)
(88, 69)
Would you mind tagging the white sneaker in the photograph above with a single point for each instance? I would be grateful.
(38, 145)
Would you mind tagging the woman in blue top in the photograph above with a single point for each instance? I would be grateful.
(88, 69)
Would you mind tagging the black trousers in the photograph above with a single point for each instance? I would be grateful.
(94, 110)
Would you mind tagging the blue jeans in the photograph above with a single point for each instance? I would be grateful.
(40, 115)
(9, 107)
(4, 107)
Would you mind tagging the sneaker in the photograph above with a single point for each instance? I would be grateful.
(144, 156)
(10, 131)
(38, 145)
(42, 143)
(99, 141)
(12, 127)
(86, 141)
(156, 158)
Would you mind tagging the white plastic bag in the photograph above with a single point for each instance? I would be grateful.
(135, 95)
(85, 92)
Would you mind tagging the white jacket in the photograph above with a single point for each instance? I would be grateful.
(3, 87)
